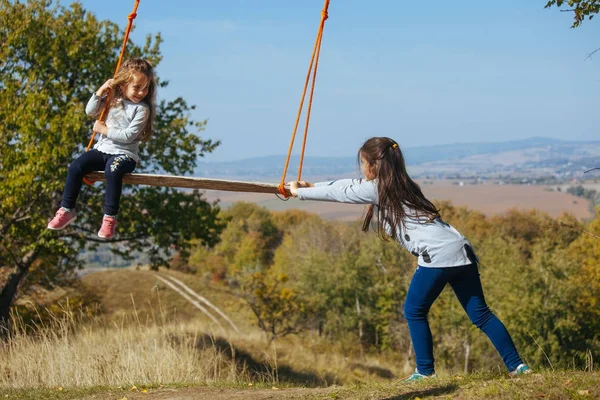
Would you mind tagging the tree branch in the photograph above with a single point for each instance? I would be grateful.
(580, 230)
(11, 255)
(9, 223)
(80, 235)
(19, 215)
(592, 53)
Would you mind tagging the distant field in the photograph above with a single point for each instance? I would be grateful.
(489, 199)
(497, 199)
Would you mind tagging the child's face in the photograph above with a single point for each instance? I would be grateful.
(367, 169)
(137, 88)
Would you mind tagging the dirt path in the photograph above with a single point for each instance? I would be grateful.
(200, 393)
(192, 301)
(205, 301)
(185, 291)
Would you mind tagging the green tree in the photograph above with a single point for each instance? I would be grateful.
(581, 9)
(278, 309)
(389, 268)
(356, 283)
(307, 256)
(289, 219)
(51, 59)
(249, 240)
(584, 292)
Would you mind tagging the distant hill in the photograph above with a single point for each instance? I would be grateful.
(536, 155)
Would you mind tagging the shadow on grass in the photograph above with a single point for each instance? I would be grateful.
(439, 391)
(374, 370)
(264, 371)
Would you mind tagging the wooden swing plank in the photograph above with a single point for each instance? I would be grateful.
(190, 182)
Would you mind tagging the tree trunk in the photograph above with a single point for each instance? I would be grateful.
(409, 363)
(360, 326)
(320, 327)
(467, 352)
(9, 291)
(6, 298)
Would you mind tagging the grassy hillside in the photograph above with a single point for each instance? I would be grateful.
(125, 292)
(138, 351)
(307, 360)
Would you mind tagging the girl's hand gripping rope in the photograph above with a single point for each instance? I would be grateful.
(105, 87)
(294, 185)
(100, 127)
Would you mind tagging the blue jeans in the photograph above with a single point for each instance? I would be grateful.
(114, 167)
(426, 286)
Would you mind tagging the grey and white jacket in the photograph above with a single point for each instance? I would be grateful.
(125, 123)
(436, 243)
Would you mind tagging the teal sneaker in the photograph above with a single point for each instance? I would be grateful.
(520, 370)
(416, 376)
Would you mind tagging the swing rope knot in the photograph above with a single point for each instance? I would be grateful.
(281, 189)
(324, 15)
(132, 16)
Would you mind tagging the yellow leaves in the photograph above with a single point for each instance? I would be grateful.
(136, 389)
(287, 294)
(585, 251)
(279, 310)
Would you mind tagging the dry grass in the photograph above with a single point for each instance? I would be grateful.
(65, 353)
(309, 359)
(138, 345)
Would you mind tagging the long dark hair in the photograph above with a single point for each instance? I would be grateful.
(124, 75)
(396, 190)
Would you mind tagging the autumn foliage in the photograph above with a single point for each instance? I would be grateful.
(540, 276)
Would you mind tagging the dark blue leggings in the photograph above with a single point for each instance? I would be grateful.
(114, 167)
(426, 286)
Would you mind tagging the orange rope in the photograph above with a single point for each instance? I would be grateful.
(314, 60)
(131, 17)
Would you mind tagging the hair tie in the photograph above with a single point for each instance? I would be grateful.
(394, 145)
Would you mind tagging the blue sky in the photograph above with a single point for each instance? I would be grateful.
(424, 73)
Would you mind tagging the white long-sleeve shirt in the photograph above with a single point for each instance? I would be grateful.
(125, 123)
(436, 243)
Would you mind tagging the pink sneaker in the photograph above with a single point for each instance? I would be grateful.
(62, 219)
(109, 225)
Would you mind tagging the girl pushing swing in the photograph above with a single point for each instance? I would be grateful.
(445, 255)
